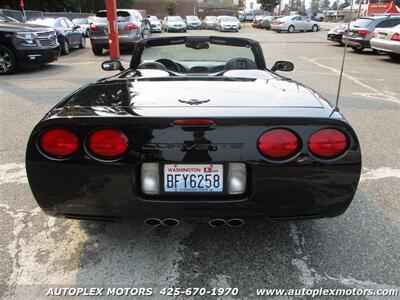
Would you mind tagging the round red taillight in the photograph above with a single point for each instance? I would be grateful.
(278, 143)
(108, 143)
(58, 142)
(327, 143)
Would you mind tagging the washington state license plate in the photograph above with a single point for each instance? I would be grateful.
(193, 178)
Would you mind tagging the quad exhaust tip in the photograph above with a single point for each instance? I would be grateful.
(236, 222)
(154, 222)
(217, 222)
(170, 222)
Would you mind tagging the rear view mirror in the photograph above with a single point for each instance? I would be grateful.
(197, 45)
(282, 65)
(112, 65)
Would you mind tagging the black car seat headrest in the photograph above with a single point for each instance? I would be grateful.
(152, 65)
(240, 63)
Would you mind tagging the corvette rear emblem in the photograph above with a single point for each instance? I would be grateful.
(194, 101)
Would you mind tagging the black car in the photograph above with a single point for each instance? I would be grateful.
(25, 44)
(335, 34)
(195, 127)
(69, 35)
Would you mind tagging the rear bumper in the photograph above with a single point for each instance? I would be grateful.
(357, 42)
(385, 45)
(38, 56)
(279, 27)
(112, 191)
(124, 41)
(293, 189)
(176, 29)
(334, 37)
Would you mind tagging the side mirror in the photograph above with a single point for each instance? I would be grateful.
(282, 65)
(112, 65)
(76, 27)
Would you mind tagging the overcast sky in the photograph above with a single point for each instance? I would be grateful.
(308, 2)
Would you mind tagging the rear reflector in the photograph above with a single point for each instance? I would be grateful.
(278, 143)
(129, 27)
(396, 37)
(108, 143)
(93, 27)
(327, 143)
(58, 142)
(193, 122)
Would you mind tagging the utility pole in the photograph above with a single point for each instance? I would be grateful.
(337, 10)
(113, 39)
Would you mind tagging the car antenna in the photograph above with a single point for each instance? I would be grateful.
(343, 59)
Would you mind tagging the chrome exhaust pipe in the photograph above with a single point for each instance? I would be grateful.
(170, 222)
(235, 222)
(153, 222)
(217, 222)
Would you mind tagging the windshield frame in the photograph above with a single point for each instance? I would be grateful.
(254, 46)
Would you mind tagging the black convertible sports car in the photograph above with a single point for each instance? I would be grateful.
(195, 127)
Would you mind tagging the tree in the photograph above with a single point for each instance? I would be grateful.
(315, 6)
(170, 6)
(325, 4)
(334, 6)
(269, 5)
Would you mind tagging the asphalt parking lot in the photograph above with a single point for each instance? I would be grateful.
(359, 249)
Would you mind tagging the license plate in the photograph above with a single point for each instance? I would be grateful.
(382, 35)
(193, 178)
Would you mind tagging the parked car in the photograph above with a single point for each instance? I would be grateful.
(174, 23)
(68, 34)
(387, 40)
(160, 144)
(362, 30)
(257, 21)
(227, 23)
(155, 24)
(193, 22)
(266, 21)
(335, 34)
(131, 28)
(209, 22)
(22, 43)
(84, 25)
(294, 23)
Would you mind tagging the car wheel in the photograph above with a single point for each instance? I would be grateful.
(394, 56)
(82, 43)
(8, 62)
(97, 51)
(65, 47)
(290, 29)
(358, 50)
(314, 28)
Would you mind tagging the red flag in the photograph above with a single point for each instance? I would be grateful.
(21, 3)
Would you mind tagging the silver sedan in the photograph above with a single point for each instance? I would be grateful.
(388, 40)
(294, 23)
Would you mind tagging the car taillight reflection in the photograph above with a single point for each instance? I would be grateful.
(107, 143)
(278, 143)
(58, 143)
(327, 143)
